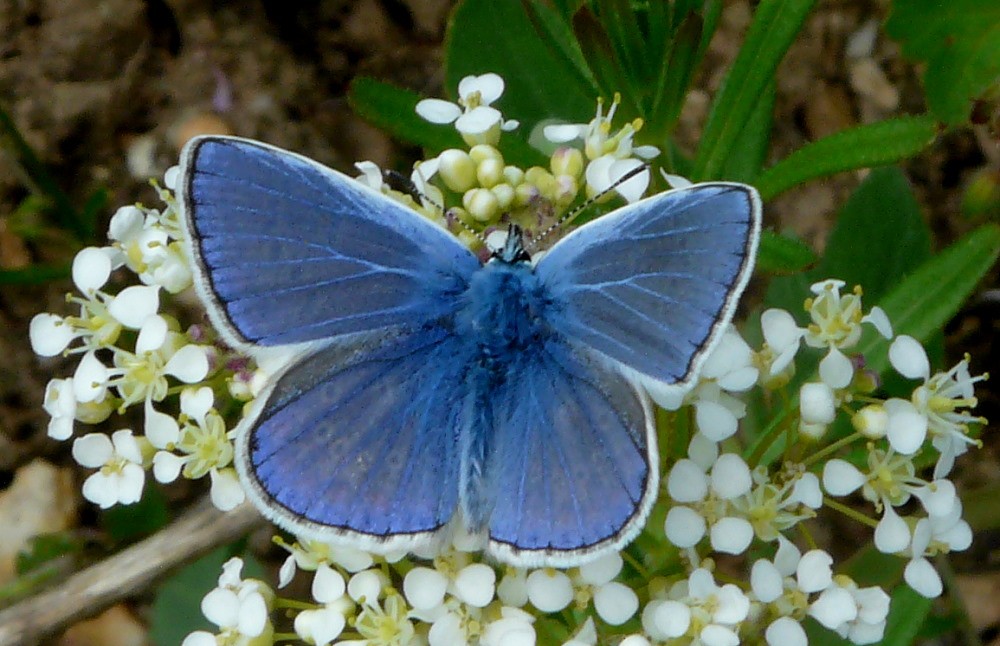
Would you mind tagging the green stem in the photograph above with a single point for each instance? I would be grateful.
(850, 513)
(833, 448)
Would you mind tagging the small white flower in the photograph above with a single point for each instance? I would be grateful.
(610, 153)
(472, 115)
(239, 608)
(686, 524)
(938, 407)
(322, 625)
(91, 269)
(120, 478)
(836, 325)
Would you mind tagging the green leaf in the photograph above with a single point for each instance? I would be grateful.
(130, 522)
(691, 32)
(907, 613)
(43, 548)
(875, 144)
(34, 275)
(774, 27)
(960, 42)
(392, 109)
(932, 294)
(603, 60)
(879, 238)
(542, 83)
(780, 254)
(750, 150)
(176, 609)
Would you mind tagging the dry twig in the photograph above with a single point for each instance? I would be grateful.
(90, 591)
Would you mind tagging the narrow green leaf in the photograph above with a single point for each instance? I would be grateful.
(779, 254)
(870, 145)
(960, 42)
(774, 27)
(681, 59)
(750, 151)
(603, 59)
(40, 181)
(34, 275)
(555, 31)
(489, 36)
(932, 294)
(619, 19)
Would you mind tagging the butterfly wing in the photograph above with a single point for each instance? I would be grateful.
(573, 469)
(360, 443)
(652, 285)
(288, 251)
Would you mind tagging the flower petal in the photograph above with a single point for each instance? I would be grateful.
(909, 358)
(438, 111)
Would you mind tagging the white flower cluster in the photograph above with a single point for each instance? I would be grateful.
(720, 497)
(132, 354)
(591, 159)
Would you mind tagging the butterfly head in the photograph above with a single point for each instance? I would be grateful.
(513, 250)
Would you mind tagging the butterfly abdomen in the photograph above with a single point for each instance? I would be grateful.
(502, 318)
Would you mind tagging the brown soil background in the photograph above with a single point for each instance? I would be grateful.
(106, 91)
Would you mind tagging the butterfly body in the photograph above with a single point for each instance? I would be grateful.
(424, 389)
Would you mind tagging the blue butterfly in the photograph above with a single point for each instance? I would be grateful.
(426, 389)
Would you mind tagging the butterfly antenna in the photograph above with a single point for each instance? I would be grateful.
(399, 182)
(569, 215)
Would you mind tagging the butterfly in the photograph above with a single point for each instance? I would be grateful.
(423, 390)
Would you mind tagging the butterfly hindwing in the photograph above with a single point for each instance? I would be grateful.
(288, 251)
(652, 285)
(573, 468)
(360, 442)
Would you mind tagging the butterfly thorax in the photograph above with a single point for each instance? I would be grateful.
(502, 311)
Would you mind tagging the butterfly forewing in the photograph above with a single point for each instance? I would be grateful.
(651, 286)
(289, 251)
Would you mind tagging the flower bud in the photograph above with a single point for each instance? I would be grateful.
(489, 172)
(457, 170)
(481, 204)
(504, 194)
(513, 175)
(567, 161)
(871, 421)
(482, 152)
